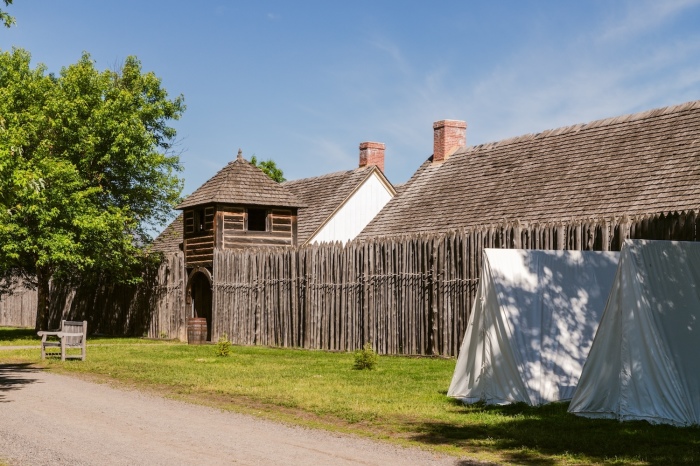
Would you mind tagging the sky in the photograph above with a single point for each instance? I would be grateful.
(305, 82)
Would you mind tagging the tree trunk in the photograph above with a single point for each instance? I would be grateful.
(43, 276)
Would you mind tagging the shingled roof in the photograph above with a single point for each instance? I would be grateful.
(241, 182)
(169, 240)
(645, 163)
(324, 195)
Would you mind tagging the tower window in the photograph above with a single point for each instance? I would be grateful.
(257, 220)
(199, 220)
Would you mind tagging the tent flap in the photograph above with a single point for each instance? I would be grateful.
(532, 325)
(644, 363)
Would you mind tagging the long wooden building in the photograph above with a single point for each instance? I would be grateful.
(629, 176)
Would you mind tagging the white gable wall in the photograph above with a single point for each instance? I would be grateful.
(353, 216)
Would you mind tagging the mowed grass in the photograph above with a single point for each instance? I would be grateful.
(403, 401)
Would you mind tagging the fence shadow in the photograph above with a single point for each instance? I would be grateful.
(15, 334)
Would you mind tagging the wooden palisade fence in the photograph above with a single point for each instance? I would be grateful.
(154, 307)
(18, 308)
(405, 295)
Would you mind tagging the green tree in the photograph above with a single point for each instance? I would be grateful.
(270, 168)
(86, 169)
(5, 18)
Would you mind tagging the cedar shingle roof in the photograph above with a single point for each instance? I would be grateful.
(324, 195)
(169, 240)
(637, 164)
(240, 182)
(400, 187)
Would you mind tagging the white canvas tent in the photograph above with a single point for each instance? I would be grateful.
(532, 325)
(645, 360)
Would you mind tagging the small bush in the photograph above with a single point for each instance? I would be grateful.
(366, 358)
(223, 346)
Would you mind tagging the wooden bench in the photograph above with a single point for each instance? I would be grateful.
(71, 335)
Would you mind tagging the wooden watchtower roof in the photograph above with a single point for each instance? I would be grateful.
(239, 207)
(241, 183)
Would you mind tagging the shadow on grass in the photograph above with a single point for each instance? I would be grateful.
(547, 434)
(8, 334)
(14, 377)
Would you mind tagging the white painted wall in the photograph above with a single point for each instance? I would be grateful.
(356, 213)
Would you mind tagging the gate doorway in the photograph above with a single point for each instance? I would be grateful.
(201, 294)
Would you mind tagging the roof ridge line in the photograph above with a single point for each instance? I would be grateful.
(626, 118)
(325, 175)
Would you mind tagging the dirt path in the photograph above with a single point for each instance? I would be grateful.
(53, 419)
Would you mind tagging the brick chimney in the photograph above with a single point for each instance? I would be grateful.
(372, 153)
(448, 136)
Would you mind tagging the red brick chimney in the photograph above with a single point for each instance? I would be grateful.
(372, 153)
(448, 136)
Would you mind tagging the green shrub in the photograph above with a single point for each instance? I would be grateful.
(366, 358)
(223, 346)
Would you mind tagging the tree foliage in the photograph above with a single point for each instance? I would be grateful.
(5, 18)
(86, 168)
(270, 168)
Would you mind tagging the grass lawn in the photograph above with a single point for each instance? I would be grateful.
(403, 401)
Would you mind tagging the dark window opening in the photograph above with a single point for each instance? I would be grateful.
(257, 220)
(199, 220)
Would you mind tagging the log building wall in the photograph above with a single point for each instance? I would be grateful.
(228, 227)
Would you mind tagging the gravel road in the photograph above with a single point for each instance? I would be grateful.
(53, 419)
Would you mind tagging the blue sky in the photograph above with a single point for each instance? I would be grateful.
(304, 82)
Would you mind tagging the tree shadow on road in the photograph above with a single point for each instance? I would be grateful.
(15, 376)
